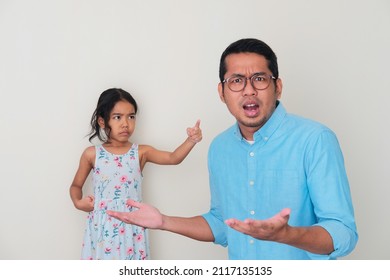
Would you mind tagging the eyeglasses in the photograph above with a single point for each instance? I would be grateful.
(258, 81)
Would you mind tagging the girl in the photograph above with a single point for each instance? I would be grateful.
(117, 167)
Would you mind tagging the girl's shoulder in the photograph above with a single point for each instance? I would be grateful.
(90, 153)
(142, 148)
(90, 149)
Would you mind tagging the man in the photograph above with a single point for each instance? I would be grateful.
(278, 184)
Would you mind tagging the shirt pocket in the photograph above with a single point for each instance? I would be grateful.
(280, 189)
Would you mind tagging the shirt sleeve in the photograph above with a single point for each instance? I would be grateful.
(330, 192)
(217, 227)
(214, 217)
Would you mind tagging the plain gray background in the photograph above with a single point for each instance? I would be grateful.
(58, 56)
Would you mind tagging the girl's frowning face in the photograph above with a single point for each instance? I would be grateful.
(121, 123)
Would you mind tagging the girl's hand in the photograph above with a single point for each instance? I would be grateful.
(195, 133)
(86, 203)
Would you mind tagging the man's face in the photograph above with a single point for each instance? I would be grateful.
(251, 107)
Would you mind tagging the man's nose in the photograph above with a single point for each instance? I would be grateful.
(248, 88)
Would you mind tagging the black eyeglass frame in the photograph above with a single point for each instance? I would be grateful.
(251, 78)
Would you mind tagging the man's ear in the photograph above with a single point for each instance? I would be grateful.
(101, 122)
(279, 88)
(221, 93)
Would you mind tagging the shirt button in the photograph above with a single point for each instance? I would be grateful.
(252, 212)
(251, 241)
(265, 138)
(251, 183)
(251, 154)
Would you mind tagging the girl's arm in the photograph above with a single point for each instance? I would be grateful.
(76, 194)
(150, 154)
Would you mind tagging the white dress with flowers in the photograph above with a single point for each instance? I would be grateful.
(116, 178)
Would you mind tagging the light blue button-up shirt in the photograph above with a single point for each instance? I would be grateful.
(293, 163)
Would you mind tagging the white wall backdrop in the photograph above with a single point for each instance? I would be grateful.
(56, 57)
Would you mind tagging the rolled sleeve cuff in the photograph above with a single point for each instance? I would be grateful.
(344, 238)
(218, 228)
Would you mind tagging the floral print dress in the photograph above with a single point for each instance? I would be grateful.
(116, 178)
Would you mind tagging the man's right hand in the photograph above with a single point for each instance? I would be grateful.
(145, 215)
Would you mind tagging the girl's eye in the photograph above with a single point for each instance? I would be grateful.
(117, 118)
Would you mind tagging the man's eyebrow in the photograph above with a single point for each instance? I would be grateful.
(241, 75)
